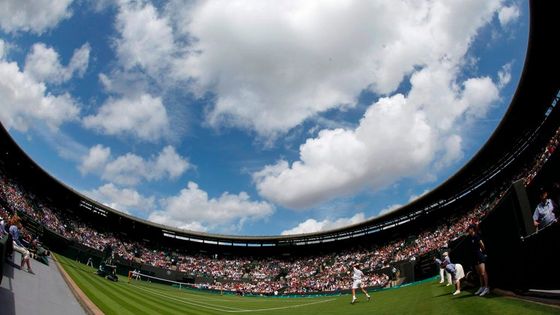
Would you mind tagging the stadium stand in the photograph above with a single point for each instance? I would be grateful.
(497, 189)
(321, 272)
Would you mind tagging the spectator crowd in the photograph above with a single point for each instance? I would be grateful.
(319, 273)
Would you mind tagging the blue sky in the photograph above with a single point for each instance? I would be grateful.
(257, 117)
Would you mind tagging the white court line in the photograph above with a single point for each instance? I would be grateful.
(233, 309)
(217, 308)
(250, 299)
(282, 307)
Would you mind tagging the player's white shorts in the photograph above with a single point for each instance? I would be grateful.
(357, 284)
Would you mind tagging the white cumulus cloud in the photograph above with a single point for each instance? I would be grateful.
(43, 64)
(312, 225)
(145, 37)
(398, 136)
(396, 206)
(192, 208)
(504, 75)
(143, 117)
(508, 14)
(3, 49)
(96, 159)
(413, 197)
(122, 199)
(131, 169)
(389, 209)
(273, 64)
(35, 16)
(24, 101)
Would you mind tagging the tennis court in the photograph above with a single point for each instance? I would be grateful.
(140, 297)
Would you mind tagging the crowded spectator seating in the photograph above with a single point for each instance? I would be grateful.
(317, 273)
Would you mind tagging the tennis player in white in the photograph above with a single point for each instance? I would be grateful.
(357, 283)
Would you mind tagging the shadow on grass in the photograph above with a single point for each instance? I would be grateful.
(488, 296)
(443, 294)
(466, 294)
(470, 293)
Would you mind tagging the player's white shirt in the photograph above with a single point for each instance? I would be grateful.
(358, 274)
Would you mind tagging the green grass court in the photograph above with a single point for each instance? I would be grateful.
(149, 298)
